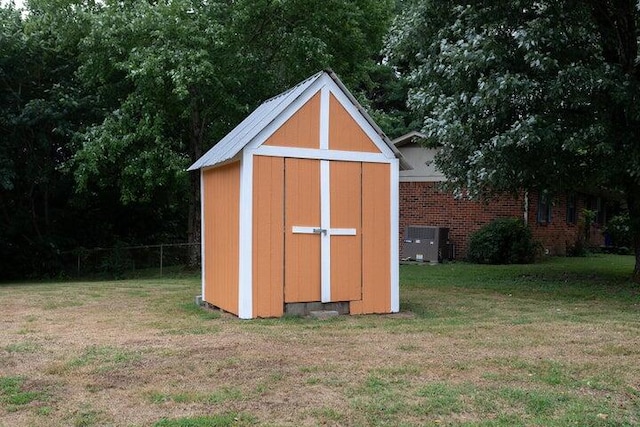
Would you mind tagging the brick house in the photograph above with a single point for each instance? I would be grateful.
(556, 222)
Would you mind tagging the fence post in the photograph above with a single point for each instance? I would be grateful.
(161, 260)
(78, 264)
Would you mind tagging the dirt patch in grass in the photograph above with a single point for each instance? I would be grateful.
(462, 357)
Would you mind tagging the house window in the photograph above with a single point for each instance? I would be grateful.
(572, 216)
(597, 206)
(544, 208)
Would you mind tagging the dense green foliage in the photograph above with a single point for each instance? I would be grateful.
(502, 241)
(620, 231)
(104, 104)
(39, 109)
(540, 95)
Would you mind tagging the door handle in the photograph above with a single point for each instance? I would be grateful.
(320, 231)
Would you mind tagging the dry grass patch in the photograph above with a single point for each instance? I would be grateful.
(473, 346)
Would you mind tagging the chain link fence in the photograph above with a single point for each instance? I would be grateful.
(121, 260)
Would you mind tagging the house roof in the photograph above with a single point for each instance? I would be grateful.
(229, 146)
(408, 138)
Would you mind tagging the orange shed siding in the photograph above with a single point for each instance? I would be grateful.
(345, 133)
(302, 251)
(346, 212)
(221, 227)
(376, 240)
(302, 130)
(268, 236)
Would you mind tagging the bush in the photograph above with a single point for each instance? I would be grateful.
(502, 241)
(117, 261)
(619, 228)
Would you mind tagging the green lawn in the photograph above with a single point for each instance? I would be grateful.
(551, 344)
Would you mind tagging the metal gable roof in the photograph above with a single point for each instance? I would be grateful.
(229, 146)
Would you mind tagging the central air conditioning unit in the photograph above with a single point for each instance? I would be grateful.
(425, 244)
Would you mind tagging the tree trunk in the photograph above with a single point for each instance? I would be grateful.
(633, 204)
(34, 215)
(636, 269)
(196, 129)
(617, 26)
(193, 227)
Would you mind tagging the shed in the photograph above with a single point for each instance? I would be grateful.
(300, 208)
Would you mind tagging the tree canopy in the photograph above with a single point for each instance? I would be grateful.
(103, 105)
(535, 95)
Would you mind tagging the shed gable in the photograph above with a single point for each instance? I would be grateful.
(317, 107)
(300, 130)
(345, 133)
(322, 118)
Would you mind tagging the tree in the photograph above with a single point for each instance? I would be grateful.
(384, 95)
(538, 95)
(157, 68)
(43, 108)
(37, 62)
(103, 105)
(174, 76)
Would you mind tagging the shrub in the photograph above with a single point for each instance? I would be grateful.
(619, 228)
(117, 261)
(502, 241)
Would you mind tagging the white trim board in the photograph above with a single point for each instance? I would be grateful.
(342, 232)
(297, 229)
(325, 223)
(395, 218)
(202, 235)
(324, 118)
(422, 179)
(245, 246)
(317, 154)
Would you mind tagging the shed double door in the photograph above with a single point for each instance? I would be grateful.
(323, 230)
